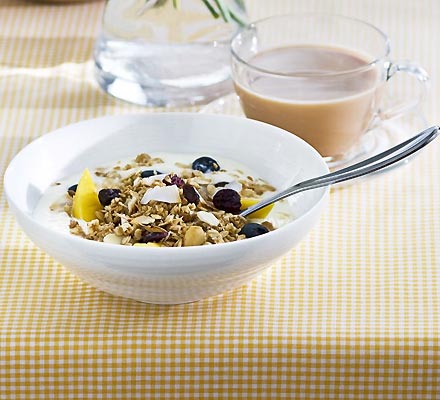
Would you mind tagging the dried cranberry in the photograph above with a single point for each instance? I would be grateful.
(227, 200)
(191, 194)
(252, 229)
(153, 237)
(173, 180)
(106, 196)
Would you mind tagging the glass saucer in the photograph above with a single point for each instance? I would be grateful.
(388, 134)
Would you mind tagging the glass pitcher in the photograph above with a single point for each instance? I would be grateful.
(167, 53)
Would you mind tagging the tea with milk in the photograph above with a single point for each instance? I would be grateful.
(326, 95)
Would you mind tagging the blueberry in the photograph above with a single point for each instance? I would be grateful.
(106, 196)
(149, 172)
(153, 237)
(252, 229)
(72, 190)
(191, 194)
(205, 164)
(227, 200)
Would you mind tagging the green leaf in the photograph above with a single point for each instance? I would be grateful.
(223, 10)
(211, 9)
(219, 8)
(237, 19)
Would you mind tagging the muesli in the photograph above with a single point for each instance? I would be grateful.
(137, 204)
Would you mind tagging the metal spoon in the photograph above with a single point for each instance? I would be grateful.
(381, 160)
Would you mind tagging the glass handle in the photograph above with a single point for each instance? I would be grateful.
(414, 70)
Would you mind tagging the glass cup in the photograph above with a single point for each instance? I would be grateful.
(321, 77)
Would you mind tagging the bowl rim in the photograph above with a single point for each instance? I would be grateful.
(122, 250)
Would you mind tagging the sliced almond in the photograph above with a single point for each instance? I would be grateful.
(112, 238)
(155, 229)
(142, 220)
(137, 181)
(125, 225)
(211, 189)
(125, 239)
(208, 218)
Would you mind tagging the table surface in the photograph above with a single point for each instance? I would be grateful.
(351, 313)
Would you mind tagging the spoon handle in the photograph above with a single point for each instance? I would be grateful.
(375, 163)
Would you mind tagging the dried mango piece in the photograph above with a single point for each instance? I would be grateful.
(150, 244)
(260, 214)
(85, 201)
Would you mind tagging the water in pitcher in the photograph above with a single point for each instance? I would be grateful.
(151, 53)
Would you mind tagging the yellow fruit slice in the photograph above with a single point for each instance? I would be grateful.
(260, 214)
(85, 201)
(150, 244)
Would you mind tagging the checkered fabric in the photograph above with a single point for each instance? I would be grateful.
(351, 313)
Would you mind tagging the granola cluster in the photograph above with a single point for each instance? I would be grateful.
(173, 210)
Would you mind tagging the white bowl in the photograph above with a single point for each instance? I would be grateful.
(165, 275)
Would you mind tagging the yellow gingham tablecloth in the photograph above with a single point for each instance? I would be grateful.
(351, 313)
